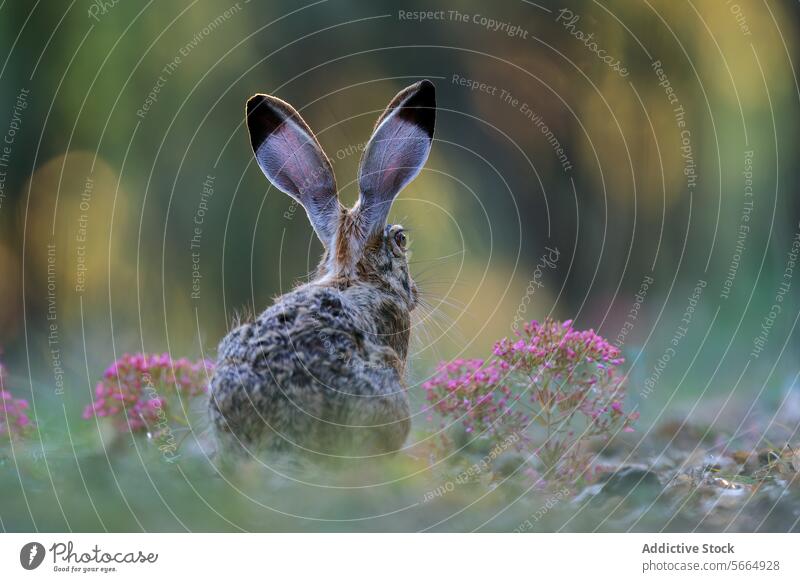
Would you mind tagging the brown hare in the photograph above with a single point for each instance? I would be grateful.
(322, 370)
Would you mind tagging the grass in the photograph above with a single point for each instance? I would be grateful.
(126, 484)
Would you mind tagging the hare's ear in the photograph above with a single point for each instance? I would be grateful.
(396, 152)
(292, 159)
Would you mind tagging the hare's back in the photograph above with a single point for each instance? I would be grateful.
(298, 370)
(310, 325)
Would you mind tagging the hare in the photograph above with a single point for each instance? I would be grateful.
(322, 370)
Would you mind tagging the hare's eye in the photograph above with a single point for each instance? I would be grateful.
(400, 239)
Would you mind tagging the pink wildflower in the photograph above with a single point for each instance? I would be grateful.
(136, 390)
(564, 374)
(14, 420)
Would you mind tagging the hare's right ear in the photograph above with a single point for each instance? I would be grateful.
(396, 152)
(292, 159)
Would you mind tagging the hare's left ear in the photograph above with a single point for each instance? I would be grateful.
(396, 152)
(292, 159)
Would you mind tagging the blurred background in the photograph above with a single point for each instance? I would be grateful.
(633, 169)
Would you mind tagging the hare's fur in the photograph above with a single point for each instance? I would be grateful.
(321, 369)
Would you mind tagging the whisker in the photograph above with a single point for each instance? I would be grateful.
(440, 282)
(442, 330)
(428, 342)
(442, 258)
(449, 301)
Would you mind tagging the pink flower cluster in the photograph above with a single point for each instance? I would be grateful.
(551, 378)
(476, 393)
(14, 420)
(137, 389)
(553, 344)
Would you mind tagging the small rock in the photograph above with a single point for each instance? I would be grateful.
(740, 457)
(725, 484)
(682, 480)
(628, 479)
(768, 456)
